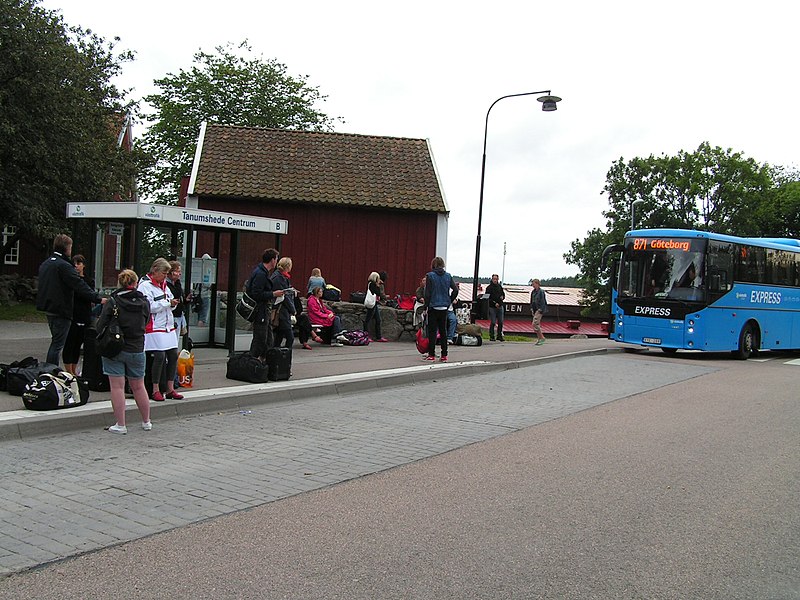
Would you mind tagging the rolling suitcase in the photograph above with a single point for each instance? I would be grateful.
(92, 368)
(279, 364)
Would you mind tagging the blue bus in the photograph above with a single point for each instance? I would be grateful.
(694, 290)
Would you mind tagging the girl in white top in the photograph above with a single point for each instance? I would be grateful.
(160, 341)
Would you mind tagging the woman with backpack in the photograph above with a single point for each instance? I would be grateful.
(133, 310)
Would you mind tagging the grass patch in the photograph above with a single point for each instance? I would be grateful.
(22, 312)
(511, 338)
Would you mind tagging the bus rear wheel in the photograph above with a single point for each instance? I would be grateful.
(748, 343)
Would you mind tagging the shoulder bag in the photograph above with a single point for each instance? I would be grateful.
(110, 340)
(370, 298)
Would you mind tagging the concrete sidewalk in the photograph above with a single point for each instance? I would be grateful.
(325, 370)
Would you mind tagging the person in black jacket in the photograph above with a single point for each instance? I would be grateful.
(81, 319)
(59, 282)
(133, 312)
(281, 280)
(259, 288)
(497, 297)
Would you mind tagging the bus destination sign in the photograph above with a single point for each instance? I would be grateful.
(644, 244)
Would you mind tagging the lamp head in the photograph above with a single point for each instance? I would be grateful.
(549, 102)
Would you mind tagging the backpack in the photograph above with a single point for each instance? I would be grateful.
(51, 391)
(331, 294)
(353, 338)
(246, 306)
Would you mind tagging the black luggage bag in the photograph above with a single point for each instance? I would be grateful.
(279, 364)
(92, 370)
(358, 297)
(26, 372)
(244, 367)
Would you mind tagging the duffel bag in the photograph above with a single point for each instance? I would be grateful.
(358, 297)
(52, 391)
(18, 377)
(464, 339)
(244, 367)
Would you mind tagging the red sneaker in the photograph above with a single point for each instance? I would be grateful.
(431, 358)
(443, 359)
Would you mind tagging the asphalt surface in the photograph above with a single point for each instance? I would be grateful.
(605, 475)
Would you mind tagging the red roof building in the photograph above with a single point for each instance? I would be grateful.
(354, 203)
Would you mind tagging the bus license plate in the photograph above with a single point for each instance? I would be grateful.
(651, 340)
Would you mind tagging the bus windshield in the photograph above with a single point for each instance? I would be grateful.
(664, 268)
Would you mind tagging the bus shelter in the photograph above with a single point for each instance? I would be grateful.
(123, 226)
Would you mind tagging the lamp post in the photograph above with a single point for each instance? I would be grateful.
(548, 105)
(634, 204)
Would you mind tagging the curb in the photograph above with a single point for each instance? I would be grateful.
(24, 424)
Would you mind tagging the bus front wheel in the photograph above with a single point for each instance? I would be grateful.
(748, 343)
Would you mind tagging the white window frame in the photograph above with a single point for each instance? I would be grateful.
(12, 258)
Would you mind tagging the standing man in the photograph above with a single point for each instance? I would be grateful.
(497, 296)
(259, 287)
(538, 308)
(59, 282)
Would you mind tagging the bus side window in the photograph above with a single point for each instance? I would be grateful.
(718, 280)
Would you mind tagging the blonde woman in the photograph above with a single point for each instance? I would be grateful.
(160, 341)
(374, 285)
(281, 280)
(133, 314)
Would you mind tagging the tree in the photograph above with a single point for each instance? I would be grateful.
(710, 189)
(223, 88)
(57, 119)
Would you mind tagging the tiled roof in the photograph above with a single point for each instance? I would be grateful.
(319, 167)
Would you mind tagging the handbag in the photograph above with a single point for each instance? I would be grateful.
(110, 340)
(185, 369)
(370, 299)
(246, 308)
(275, 316)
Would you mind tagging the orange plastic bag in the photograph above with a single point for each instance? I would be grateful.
(185, 369)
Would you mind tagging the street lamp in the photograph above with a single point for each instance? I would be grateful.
(634, 204)
(548, 105)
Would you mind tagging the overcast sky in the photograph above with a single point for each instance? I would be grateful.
(637, 78)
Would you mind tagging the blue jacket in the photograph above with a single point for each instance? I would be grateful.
(440, 289)
(259, 287)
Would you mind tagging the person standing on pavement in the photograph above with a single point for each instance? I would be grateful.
(160, 341)
(440, 292)
(59, 283)
(538, 309)
(81, 319)
(497, 297)
(281, 280)
(133, 313)
(179, 310)
(374, 286)
(259, 287)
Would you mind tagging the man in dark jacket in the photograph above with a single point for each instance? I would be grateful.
(58, 284)
(497, 296)
(259, 287)
(538, 309)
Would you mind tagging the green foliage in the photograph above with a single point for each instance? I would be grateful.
(710, 189)
(58, 118)
(225, 88)
(566, 282)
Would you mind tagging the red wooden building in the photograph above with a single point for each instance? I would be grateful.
(354, 203)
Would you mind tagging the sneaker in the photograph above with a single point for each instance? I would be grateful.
(173, 395)
(491, 338)
(158, 397)
(540, 342)
(430, 358)
(443, 359)
(117, 429)
(501, 339)
(148, 426)
(337, 344)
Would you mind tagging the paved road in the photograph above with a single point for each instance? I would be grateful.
(625, 476)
